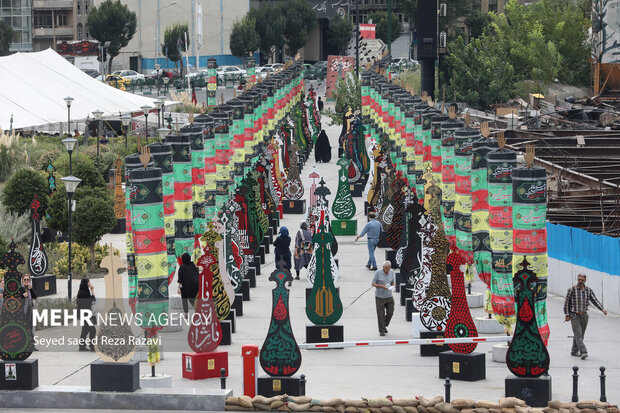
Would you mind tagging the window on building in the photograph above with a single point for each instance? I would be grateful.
(42, 19)
(86, 35)
(80, 30)
(79, 7)
(493, 6)
(61, 19)
(86, 7)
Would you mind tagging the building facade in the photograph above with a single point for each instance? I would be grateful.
(18, 15)
(209, 23)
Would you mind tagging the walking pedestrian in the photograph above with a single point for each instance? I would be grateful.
(372, 230)
(283, 250)
(188, 281)
(85, 301)
(323, 149)
(576, 311)
(383, 281)
(303, 248)
(320, 104)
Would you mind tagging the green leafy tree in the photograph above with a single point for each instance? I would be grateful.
(174, 43)
(300, 20)
(83, 168)
(93, 216)
(243, 38)
(6, 37)
(270, 25)
(479, 72)
(348, 93)
(339, 34)
(380, 20)
(477, 22)
(112, 22)
(18, 193)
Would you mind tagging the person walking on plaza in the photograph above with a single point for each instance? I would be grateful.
(303, 248)
(188, 281)
(372, 230)
(383, 281)
(283, 250)
(85, 301)
(576, 311)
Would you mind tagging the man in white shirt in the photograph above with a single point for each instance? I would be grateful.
(383, 281)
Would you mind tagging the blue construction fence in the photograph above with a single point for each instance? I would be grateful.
(579, 247)
(222, 60)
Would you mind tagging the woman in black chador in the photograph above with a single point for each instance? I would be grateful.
(322, 150)
(188, 281)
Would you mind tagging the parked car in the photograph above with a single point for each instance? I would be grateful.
(201, 72)
(117, 81)
(321, 69)
(262, 71)
(129, 74)
(170, 73)
(274, 66)
(91, 72)
(229, 70)
(404, 63)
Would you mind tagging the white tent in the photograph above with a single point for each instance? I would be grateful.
(33, 86)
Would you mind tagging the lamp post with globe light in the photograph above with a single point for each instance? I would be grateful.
(126, 120)
(163, 132)
(159, 104)
(70, 144)
(145, 110)
(71, 183)
(98, 114)
(68, 100)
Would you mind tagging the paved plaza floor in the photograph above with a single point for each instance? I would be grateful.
(368, 371)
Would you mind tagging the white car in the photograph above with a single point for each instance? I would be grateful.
(262, 71)
(201, 72)
(129, 74)
(274, 66)
(229, 70)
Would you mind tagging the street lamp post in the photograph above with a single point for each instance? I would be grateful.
(160, 104)
(70, 144)
(71, 183)
(159, 28)
(68, 101)
(157, 75)
(145, 110)
(98, 114)
(163, 132)
(125, 119)
(166, 80)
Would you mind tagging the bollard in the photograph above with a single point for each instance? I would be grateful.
(302, 385)
(223, 378)
(575, 397)
(602, 376)
(447, 385)
(469, 288)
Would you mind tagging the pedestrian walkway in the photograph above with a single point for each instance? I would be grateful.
(351, 373)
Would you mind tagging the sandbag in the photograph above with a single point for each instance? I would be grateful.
(521, 409)
(298, 399)
(330, 402)
(422, 409)
(591, 404)
(444, 407)
(276, 404)
(262, 406)
(283, 409)
(295, 407)
(557, 404)
(398, 409)
(328, 409)
(468, 411)
(406, 402)
(430, 402)
(237, 408)
(481, 410)
(380, 402)
(432, 410)
(511, 402)
(350, 409)
(243, 401)
(363, 410)
(355, 403)
(410, 409)
(316, 408)
(550, 410)
(265, 400)
(487, 404)
(374, 409)
(385, 409)
(463, 403)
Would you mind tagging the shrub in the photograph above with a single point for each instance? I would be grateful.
(83, 168)
(348, 93)
(80, 259)
(19, 191)
(13, 226)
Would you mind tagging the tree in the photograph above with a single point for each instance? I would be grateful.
(348, 93)
(479, 72)
(380, 20)
(243, 38)
(339, 34)
(93, 216)
(477, 22)
(83, 168)
(270, 24)
(6, 37)
(112, 22)
(300, 20)
(174, 43)
(18, 193)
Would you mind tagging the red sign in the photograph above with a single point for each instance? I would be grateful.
(337, 68)
(77, 48)
(367, 31)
